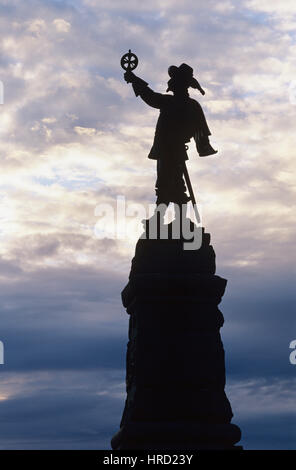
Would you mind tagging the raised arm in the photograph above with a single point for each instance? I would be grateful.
(140, 87)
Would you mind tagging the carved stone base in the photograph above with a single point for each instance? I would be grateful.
(175, 358)
(177, 435)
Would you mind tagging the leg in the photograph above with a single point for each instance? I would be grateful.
(170, 185)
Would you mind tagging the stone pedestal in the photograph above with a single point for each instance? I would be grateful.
(175, 358)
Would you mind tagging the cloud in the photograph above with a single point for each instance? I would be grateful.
(74, 136)
(82, 410)
(60, 410)
(279, 9)
(61, 25)
(261, 407)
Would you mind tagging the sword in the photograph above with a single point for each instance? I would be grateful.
(190, 189)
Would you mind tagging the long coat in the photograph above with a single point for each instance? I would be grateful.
(179, 120)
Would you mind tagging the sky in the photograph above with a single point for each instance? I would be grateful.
(73, 137)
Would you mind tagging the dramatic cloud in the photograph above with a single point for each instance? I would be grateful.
(73, 137)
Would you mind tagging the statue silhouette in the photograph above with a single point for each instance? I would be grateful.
(180, 119)
(175, 362)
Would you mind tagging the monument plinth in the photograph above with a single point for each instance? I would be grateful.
(175, 375)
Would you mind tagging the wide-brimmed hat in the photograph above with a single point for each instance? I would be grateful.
(183, 75)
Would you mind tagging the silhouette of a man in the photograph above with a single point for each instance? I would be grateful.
(180, 119)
